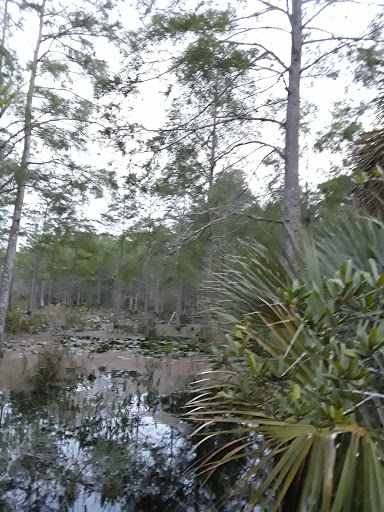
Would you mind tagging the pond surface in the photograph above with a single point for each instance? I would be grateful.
(117, 443)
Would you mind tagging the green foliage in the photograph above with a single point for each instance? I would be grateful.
(60, 115)
(336, 191)
(346, 125)
(176, 26)
(207, 56)
(304, 369)
(369, 165)
(151, 347)
(147, 328)
(53, 366)
(54, 67)
(60, 316)
(17, 322)
(370, 65)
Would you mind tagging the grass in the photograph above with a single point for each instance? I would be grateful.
(53, 366)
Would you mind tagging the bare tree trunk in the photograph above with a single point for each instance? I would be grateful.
(146, 290)
(157, 296)
(35, 273)
(10, 303)
(31, 302)
(73, 283)
(10, 255)
(118, 290)
(98, 300)
(291, 207)
(146, 299)
(211, 172)
(50, 271)
(42, 293)
(4, 107)
(49, 291)
(179, 302)
(3, 35)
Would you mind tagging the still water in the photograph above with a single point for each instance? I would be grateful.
(118, 443)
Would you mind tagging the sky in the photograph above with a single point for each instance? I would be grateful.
(350, 20)
(149, 106)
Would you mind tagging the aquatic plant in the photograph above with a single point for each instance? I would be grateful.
(54, 365)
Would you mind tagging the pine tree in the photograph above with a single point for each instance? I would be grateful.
(274, 76)
(52, 118)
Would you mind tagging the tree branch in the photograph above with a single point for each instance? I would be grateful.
(273, 7)
(324, 55)
(317, 14)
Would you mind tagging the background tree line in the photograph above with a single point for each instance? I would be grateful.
(180, 199)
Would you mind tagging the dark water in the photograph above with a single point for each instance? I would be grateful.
(117, 444)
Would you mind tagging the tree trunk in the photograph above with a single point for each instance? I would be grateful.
(3, 35)
(42, 293)
(10, 255)
(157, 296)
(291, 206)
(208, 241)
(31, 303)
(118, 290)
(73, 283)
(10, 303)
(4, 107)
(49, 292)
(193, 307)
(179, 302)
(98, 300)
(146, 300)
(50, 272)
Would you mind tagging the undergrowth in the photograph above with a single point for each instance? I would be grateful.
(54, 366)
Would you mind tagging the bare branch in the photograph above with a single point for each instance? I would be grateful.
(335, 38)
(305, 25)
(259, 142)
(324, 55)
(368, 393)
(5, 184)
(196, 234)
(260, 219)
(273, 7)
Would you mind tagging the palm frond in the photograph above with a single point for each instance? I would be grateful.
(300, 386)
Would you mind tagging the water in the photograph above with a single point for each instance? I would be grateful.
(116, 444)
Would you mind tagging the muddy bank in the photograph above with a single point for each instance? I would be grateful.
(117, 442)
(20, 354)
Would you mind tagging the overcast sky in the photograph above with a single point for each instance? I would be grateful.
(148, 108)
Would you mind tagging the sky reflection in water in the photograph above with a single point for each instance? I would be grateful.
(114, 445)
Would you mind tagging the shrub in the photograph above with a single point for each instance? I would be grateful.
(147, 327)
(53, 366)
(17, 322)
(301, 379)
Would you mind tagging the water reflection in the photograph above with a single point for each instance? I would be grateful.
(112, 445)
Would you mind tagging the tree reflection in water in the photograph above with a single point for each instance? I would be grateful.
(116, 447)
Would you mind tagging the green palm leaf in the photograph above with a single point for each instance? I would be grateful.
(301, 384)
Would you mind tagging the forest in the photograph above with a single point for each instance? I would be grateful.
(206, 180)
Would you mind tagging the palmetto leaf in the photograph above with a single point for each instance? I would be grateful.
(301, 393)
(369, 156)
(335, 466)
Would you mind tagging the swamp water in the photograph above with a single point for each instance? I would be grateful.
(117, 443)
